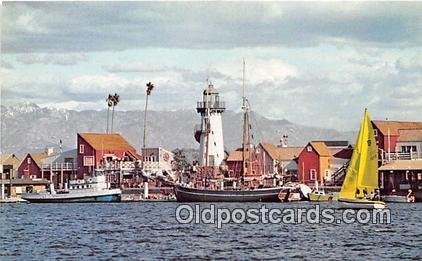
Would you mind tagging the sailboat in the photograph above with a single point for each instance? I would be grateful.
(361, 178)
(243, 193)
(319, 195)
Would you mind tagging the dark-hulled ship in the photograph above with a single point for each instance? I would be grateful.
(243, 188)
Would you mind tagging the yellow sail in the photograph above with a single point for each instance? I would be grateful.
(362, 174)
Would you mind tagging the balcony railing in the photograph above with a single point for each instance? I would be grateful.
(402, 155)
(212, 105)
(125, 165)
(60, 166)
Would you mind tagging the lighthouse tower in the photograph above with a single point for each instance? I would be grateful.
(209, 133)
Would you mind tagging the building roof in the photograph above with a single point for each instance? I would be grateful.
(403, 165)
(270, 149)
(321, 148)
(104, 141)
(288, 153)
(281, 153)
(6, 157)
(410, 135)
(38, 157)
(344, 153)
(235, 155)
(60, 157)
(395, 126)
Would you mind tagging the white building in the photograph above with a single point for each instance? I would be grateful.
(156, 160)
(209, 133)
(409, 143)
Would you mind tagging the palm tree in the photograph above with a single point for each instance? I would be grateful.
(150, 86)
(109, 101)
(115, 100)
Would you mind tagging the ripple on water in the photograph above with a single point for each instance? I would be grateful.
(136, 230)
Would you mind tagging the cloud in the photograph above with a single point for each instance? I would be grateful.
(410, 64)
(56, 59)
(134, 67)
(97, 26)
(325, 93)
(7, 65)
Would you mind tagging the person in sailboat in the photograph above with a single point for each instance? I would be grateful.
(365, 193)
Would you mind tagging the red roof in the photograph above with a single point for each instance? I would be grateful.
(410, 135)
(104, 141)
(395, 126)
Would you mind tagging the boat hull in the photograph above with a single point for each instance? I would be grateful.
(394, 199)
(79, 197)
(184, 194)
(361, 204)
(322, 197)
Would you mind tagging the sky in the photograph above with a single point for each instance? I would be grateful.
(316, 64)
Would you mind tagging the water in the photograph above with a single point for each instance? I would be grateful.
(150, 231)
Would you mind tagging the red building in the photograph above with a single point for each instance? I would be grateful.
(235, 164)
(387, 133)
(55, 167)
(31, 165)
(313, 161)
(322, 160)
(100, 150)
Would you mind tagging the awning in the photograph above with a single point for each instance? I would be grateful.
(403, 165)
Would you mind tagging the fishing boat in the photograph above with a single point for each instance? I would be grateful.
(91, 189)
(361, 180)
(243, 191)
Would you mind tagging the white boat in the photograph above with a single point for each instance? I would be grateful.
(91, 189)
(361, 180)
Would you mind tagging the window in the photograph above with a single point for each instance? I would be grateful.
(211, 160)
(327, 174)
(88, 161)
(407, 149)
(81, 148)
(375, 132)
(309, 148)
(312, 174)
(28, 160)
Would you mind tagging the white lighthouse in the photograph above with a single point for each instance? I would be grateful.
(209, 133)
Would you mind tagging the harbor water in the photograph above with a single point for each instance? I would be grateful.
(146, 230)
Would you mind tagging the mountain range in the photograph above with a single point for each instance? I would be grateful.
(28, 127)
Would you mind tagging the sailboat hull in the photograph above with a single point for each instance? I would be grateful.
(184, 194)
(322, 197)
(361, 204)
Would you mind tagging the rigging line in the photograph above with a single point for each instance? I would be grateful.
(256, 129)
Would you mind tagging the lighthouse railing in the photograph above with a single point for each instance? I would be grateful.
(211, 105)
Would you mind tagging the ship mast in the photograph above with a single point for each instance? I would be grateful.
(246, 145)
